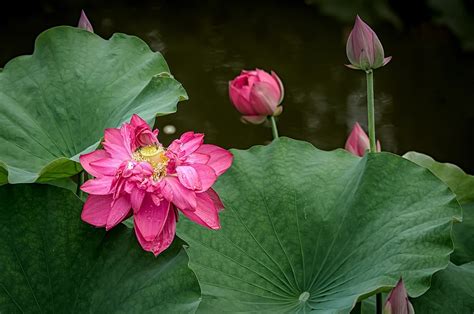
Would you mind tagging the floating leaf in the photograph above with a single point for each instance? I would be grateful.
(56, 103)
(52, 262)
(462, 185)
(305, 229)
(452, 291)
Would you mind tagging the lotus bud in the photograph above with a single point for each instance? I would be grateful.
(84, 22)
(397, 301)
(364, 50)
(256, 95)
(358, 142)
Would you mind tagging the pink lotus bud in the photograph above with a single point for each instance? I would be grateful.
(358, 141)
(256, 95)
(364, 49)
(84, 22)
(397, 301)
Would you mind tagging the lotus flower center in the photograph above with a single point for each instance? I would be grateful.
(155, 156)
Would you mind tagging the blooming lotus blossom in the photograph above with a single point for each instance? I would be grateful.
(136, 175)
(256, 95)
(364, 50)
(397, 301)
(84, 22)
(358, 141)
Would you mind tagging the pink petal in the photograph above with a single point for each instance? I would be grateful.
(128, 138)
(197, 177)
(98, 186)
(254, 119)
(113, 136)
(207, 176)
(136, 198)
(206, 213)
(280, 86)
(350, 66)
(220, 159)
(264, 98)
(244, 82)
(143, 134)
(96, 210)
(215, 199)
(114, 144)
(270, 79)
(189, 177)
(136, 120)
(238, 100)
(120, 210)
(86, 160)
(163, 240)
(386, 60)
(106, 166)
(187, 144)
(176, 193)
(150, 219)
(190, 142)
(84, 22)
(198, 158)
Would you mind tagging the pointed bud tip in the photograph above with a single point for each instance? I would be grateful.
(397, 300)
(84, 22)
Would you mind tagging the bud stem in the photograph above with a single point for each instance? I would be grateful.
(378, 303)
(370, 109)
(80, 181)
(274, 127)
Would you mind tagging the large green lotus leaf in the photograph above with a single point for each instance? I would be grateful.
(56, 103)
(52, 262)
(463, 237)
(452, 291)
(462, 185)
(309, 230)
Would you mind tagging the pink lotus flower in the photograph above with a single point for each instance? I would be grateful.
(358, 141)
(135, 175)
(256, 95)
(84, 22)
(397, 301)
(364, 50)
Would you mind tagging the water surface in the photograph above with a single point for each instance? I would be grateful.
(424, 97)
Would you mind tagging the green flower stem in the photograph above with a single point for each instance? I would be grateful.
(370, 109)
(80, 181)
(378, 303)
(274, 127)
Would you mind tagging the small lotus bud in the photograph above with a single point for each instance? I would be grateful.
(256, 95)
(358, 142)
(397, 301)
(364, 50)
(84, 22)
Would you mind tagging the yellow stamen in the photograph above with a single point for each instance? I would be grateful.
(155, 156)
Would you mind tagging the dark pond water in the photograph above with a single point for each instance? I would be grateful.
(424, 97)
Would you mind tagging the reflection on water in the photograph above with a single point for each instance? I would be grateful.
(424, 97)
